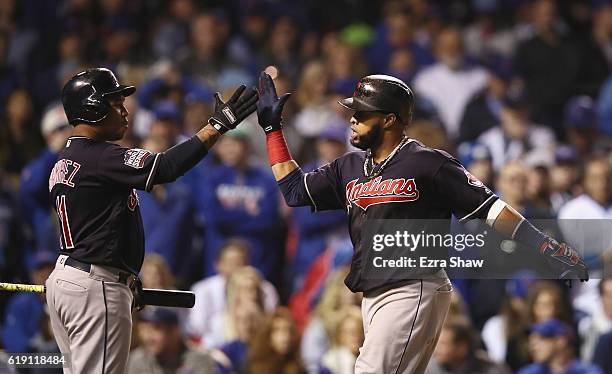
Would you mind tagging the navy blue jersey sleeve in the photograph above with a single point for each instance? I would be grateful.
(324, 187)
(467, 196)
(133, 167)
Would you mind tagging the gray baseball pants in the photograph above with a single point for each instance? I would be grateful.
(91, 317)
(402, 325)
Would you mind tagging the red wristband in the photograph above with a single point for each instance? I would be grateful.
(277, 148)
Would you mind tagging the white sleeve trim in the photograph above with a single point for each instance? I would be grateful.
(477, 209)
(517, 227)
(308, 192)
(150, 177)
(494, 211)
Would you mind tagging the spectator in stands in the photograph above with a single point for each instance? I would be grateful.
(549, 64)
(316, 338)
(597, 184)
(246, 48)
(346, 338)
(599, 321)
(34, 188)
(317, 108)
(564, 176)
(402, 65)
(211, 302)
(9, 79)
(488, 35)
(345, 64)
(173, 32)
(551, 347)
(139, 118)
(169, 83)
(247, 318)
(244, 286)
(238, 199)
(395, 32)
(581, 124)
(275, 347)
(13, 242)
(583, 220)
(197, 106)
(504, 334)
(164, 350)
(476, 158)
(512, 185)
(516, 137)
(207, 57)
(483, 111)
(282, 46)
(451, 74)
(604, 107)
(168, 219)
(155, 273)
(457, 351)
(25, 311)
(431, 133)
(545, 301)
(20, 140)
(538, 189)
(319, 234)
(310, 94)
(594, 51)
(603, 352)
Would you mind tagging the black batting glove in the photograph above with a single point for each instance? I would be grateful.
(229, 114)
(565, 260)
(269, 106)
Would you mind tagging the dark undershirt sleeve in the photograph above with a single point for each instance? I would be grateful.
(177, 160)
(141, 169)
(318, 189)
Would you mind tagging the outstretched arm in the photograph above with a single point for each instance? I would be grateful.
(469, 198)
(316, 189)
(566, 260)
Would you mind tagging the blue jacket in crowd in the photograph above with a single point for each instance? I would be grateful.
(243, 204)
(23, 315)
(34, 196)
(169, 225)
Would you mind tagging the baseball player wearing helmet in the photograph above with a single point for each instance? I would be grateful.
(93, 185)
(402, 317)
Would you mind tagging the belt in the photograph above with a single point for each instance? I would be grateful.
(124, 277)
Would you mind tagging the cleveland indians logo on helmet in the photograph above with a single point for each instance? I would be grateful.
(377, 191)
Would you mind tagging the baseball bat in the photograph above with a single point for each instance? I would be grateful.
(150, 296)
(16, 287)
(177, 299)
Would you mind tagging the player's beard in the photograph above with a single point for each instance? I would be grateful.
(369, 140)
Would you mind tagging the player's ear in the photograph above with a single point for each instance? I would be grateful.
(389, 120)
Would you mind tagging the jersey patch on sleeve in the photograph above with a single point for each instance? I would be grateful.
(475, 181)
(136, 157)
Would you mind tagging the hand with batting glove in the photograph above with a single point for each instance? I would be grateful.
(269, 106)
(229, 114)
(565, 260)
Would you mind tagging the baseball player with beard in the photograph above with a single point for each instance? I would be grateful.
(395, 177)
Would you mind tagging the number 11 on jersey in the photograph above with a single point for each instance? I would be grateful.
(62, 213)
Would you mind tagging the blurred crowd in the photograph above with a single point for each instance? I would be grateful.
(519, 91)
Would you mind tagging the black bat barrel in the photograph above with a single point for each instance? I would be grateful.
(177, 299)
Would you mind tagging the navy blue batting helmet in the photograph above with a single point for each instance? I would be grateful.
(85, 95)
(381, 93)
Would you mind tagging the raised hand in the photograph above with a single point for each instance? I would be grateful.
(269, 106)
(229, 114)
